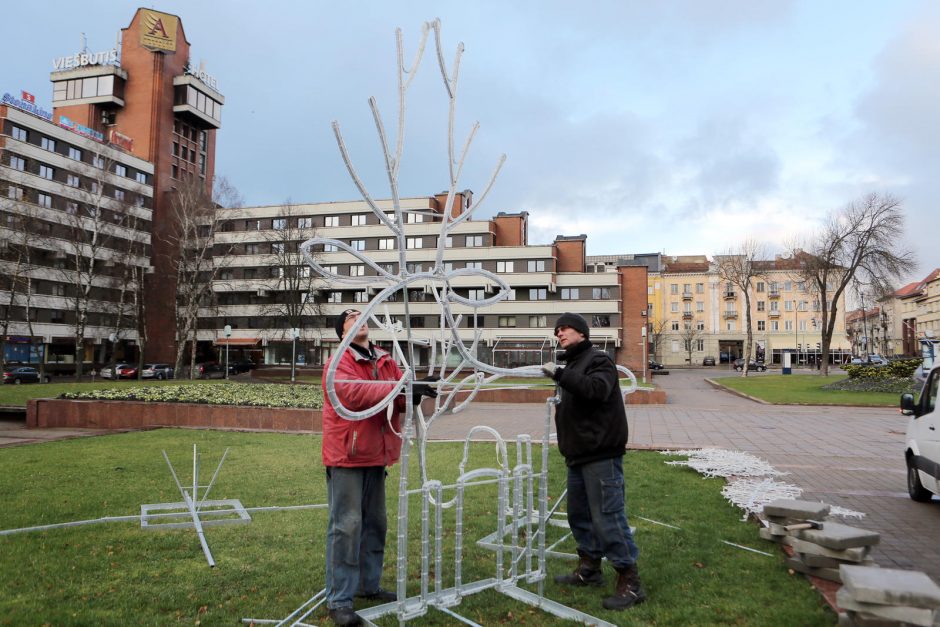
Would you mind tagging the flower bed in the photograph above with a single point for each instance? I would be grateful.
(261, 395)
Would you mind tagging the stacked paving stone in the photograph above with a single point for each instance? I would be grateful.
(885, 596)
(817, 552)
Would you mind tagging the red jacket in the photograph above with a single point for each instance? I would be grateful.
(370, 441)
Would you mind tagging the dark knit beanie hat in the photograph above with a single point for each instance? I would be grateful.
(341, 320)
(575, 321)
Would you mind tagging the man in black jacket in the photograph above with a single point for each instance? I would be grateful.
(592, 435)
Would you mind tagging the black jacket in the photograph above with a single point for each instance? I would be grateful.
(590, 421)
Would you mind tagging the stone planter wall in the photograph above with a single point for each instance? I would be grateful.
(95, 414)
(640, 397)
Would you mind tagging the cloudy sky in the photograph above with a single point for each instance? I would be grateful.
(674, 126)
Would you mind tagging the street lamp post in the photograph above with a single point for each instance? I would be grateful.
(228, 333)
(796, 330)
(295, 333)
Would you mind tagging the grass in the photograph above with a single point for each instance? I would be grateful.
(18, 395)
(116, 573)
(805, 389)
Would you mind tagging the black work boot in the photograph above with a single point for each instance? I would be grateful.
(628, 592)
(343, 616)
(587, 573)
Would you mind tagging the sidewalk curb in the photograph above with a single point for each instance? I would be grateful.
(719, 386)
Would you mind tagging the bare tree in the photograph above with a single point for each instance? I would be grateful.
(196, 257)
(656, 331)
(293, 305)
(863, 240)
(739, 268)
(690, 335)
(16, 260)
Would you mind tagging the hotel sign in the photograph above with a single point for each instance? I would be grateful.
(27, 104)
(158, 30)
(202, 75)
(120, 140)
(81, 59)
(81, 129)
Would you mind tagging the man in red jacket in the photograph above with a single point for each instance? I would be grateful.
(356, 454)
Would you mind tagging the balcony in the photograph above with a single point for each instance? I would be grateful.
(773, 294)
(687, 315)
(686, 295)
(730, 295)
(729, 315)
(773, 313)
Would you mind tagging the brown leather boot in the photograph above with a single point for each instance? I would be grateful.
(587, 573)
(628, 592)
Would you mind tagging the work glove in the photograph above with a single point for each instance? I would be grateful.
(549, 368)
(423, 388)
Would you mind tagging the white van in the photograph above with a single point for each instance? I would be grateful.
(922, 450)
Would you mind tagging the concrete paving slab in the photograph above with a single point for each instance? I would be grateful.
(829, 574)
(797, 509)
(855, 555)
(835, 535)
(905, 614)
(890, 586)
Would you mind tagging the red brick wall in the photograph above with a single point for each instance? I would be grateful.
(570, 255)
(508, 230)
(633, 303)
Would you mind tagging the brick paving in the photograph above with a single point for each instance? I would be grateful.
(848, 456)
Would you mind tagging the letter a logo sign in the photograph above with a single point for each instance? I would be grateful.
(158, 30)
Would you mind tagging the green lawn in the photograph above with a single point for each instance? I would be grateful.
(804, 389)
(18, 395)
(116, 573)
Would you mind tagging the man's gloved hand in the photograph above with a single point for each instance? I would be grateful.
(549, 368)
(423, 388)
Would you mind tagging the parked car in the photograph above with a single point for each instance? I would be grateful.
(708, 361)
(752, 365)
(210, 370)
(157, 371)
(724, 357)
(869, 360)
(23, 374)
(121, 371)
(654, 365)
(242, 365)
(922, 442)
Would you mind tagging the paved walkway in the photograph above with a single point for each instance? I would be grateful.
(853, 457)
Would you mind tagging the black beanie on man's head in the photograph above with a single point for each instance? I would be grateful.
(575, 321)
(341, 321)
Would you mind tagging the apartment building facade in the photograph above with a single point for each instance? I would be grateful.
(694, 314)
(253, 289)
(912, 313)
(75, 237)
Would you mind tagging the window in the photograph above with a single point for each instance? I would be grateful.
(700, 325)
(787, 325)
(761, 325)
(360, 297)
(16, 193)
(58, 290)
(359, 219)
(357, 244)
(140, 200)
(277, 247)
(304, 223)
(175, 171)
(119, 194)
(729, 326)
(788, 286)
(48, 144)
(788, 305)
(687, 307)
(699, 288)
(536, 265)
(20, 133)
(386, 243)
(330, 248)
(72, 181)
(674, 307)
(141, 177)
(17, 163)
(775, 305)
(75, 153)
(252, 249)
(774, 325)
(357, 270)
(44, 200)
(699, 306)
(71, 207)
(93, 187)
(475, 265)
(415, 218)
(674, 289)
(448, 242)
(570, 293)
(176, 150)
(279, 224)
(504, 266)
(511, 295)
(304, 272)
(120, 170)
(475, 294)
(331, 269)
(414, 242)
(277, 272)
(98, 162)
(448, 266)
(600, 321)
(414, 267)
(474, 241)
(331, 221)
(248, 273)
(334, 297)
(538, 293)
(507, 321)
(675, 325)
(600, 293)
(699, 345)
(538, 321)
(760, 286)
(760, 305)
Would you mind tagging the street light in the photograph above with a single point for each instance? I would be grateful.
(796, 330)
(295, 333)
(227, 330)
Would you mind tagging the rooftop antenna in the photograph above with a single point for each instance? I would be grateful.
(84, 43)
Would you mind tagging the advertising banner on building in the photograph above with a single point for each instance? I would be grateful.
(158, 30)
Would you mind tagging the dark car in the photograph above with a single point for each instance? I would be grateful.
(708, 361)
(724, 357)
(210, 370)
(752, 365)
(242, 365)
(157, 371)
(21, 375)
(653, 365)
